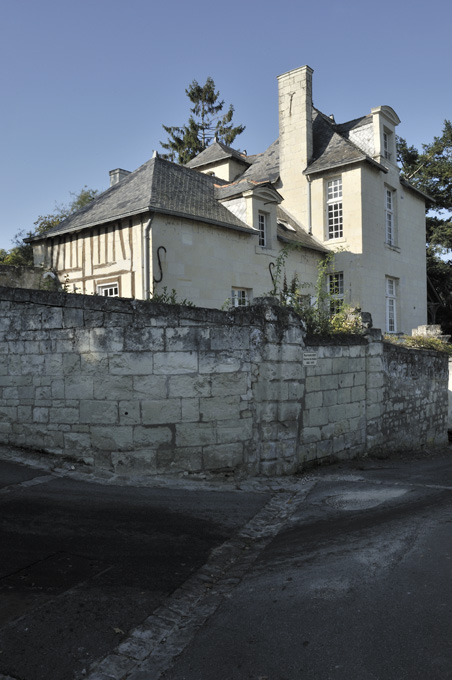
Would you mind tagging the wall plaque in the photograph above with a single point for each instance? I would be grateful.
(309, 358)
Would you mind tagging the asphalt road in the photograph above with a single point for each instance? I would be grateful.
(342, 574)
(82, 563)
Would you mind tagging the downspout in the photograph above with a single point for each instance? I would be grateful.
(147, 259)
(309, 206)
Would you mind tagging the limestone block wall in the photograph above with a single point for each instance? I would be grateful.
(130, 384)
(415, 397)
(334, 421)
(368, 396)
(127, 384)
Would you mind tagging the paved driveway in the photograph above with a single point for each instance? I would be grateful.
(343, 573)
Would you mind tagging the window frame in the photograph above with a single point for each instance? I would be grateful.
(389, 217)
(334, 208)
(391, 304)
(335, 287)
(240, 297)
(388, 151)
(262, 227)
(101, 289)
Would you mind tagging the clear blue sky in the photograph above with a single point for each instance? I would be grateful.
(86, 85)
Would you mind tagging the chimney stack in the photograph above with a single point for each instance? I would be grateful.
(295, 137)
(118, 175)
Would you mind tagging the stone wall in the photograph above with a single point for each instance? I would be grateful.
(128, 384)
(15, 276)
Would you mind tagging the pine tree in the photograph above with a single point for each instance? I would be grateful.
(204, 124)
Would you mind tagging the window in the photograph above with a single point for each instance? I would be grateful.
(334, 208)
(108, 289)
(262, 226)
(240, 297)
(336, 291)
(391, 300)
(387, 145)
(389, 212)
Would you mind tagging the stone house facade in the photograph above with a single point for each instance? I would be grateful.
(211, 229)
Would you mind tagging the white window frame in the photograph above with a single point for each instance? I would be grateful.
(262, 227)
(391, 305)
(389, 216)
(240, 297)
(336, 291)
(108, 289)
(387, 145)
(334, 211)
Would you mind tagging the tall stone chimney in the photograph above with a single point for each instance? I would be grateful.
(295, 138)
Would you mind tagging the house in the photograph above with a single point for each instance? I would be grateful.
(166, 225)
(212, 229)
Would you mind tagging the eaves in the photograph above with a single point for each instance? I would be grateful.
(196, 218)
(341, 164)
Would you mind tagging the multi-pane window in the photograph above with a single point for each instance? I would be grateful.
(108, 289)
(334, 208)
(387, 145)
(389, 212)
(336, 291)
(262, 226)
(240, 297)
(391, 305)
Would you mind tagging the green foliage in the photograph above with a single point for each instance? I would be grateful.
(166, 298)
(204, 124)
(421, 342)
(431, 171)
(22, 252)
(317, 315)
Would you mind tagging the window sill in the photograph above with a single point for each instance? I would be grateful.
(396, 249)
(340, 239)
(264, 250)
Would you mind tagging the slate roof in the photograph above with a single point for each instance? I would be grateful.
(159, 186)
(266, 166)
(332, 150)
(291, 231)
(217, 151)
(265, 169)
(344, 128)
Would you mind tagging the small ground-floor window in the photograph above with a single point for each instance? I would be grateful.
(108, 289)
(240, 297)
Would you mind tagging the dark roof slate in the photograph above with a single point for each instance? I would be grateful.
(344, 128)
(330, 149)
(159, 186)
(296, 235)
(266, 166)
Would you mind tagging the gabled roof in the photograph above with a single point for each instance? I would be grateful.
(291, 231)
(157, 186)
(217, 151)
(264, 170)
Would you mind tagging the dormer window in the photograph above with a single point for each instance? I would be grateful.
(262, 226)
(387, 145)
